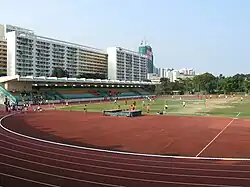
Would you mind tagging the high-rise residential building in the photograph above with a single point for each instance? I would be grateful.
(3, 57)
(126, 65)
(145, 49)
(2, 31)
(155, 69)
(176, 75)
(161, 72)
(33, 55)
(169, 75)
(166, 73)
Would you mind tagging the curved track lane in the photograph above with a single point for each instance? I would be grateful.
(28, 162)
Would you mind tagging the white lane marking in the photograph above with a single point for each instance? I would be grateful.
(126, 170)
(81, 152)
(125, 178)
(104, 156)
(168, 167)
(82, 158)
(142, 160)
(217, 136)
(115, 152)
(58, 176)
(28, 180)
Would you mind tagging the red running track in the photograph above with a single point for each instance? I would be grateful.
(26, 162)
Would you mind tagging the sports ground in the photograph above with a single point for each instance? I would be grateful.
(212, 128)
(199, 145)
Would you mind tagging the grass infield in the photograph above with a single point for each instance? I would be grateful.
(212, 107)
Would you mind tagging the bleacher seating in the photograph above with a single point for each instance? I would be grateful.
(62, 93)
(141, 91)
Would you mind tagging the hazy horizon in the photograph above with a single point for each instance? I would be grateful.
(208, 36)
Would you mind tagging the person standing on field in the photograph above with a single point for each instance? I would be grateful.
(184, 104)
(148, 108)
(85, 108)
(166, 107)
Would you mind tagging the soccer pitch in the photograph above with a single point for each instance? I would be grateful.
(211, 107)
(174, 106)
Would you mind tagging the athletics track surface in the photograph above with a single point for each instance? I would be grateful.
(26, 162)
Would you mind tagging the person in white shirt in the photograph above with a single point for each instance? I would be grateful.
(166, 106)
(183, 104)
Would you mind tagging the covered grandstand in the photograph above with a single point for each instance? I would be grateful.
(56, 90)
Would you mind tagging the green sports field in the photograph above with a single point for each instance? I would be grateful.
(229, 107)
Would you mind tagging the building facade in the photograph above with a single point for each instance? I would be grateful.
(154, 77)
(3, 57)
(147, 51)
(162, 72)
(187, 71)
(5, 28)
(32, 55)
(126, 65)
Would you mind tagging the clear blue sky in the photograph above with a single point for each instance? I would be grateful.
(208, 35)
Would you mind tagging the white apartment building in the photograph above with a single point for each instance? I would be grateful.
(3, 56)
(5, 28)
(126, 65)
(173, 75)
(170, 75)
(154, 77)
(32, 55)
(161, 72)
(166, 73)
(187, 71)
(176, 75)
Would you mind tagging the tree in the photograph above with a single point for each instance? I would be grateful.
(158, 90)
(92, 76)
(206, 83)
(166, 85)
(247, 86)
(59, 72)
(188, 84)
